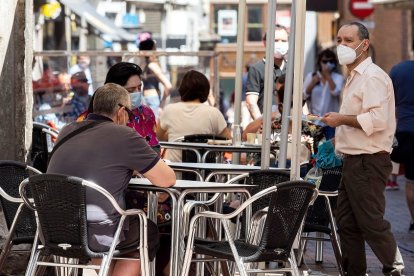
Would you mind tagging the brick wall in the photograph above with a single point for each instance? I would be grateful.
(391, 36)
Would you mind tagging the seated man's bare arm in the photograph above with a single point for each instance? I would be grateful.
(161, 175)
(251, 102)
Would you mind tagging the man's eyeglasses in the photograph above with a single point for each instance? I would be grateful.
(131, 115)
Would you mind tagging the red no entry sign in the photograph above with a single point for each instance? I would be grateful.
(361, 8)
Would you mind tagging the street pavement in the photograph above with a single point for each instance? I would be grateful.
(396, 213)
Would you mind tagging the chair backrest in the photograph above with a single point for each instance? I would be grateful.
(41, 145)
(190, 156)
(287, 208)
(11, 174)
(318, 213)
(60, 202)
(260, 180)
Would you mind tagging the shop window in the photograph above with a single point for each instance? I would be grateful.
(255, 24)
(224, 22)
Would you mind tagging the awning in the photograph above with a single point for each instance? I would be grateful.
(84, 9)
(402, 4)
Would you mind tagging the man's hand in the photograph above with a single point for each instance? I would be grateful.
(332, 119)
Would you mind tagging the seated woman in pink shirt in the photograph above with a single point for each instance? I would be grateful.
(142, 118)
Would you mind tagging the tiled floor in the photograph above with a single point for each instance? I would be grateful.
(398, 215)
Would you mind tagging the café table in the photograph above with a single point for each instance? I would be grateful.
(201, 157)
(215, 168)
(178, 194)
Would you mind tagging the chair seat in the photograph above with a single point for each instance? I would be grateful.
(221, 249)
(117, 252)
(308, 228)
(22, 240)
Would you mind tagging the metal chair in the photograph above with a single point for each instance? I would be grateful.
(42, 144)
(60, 204)
(190, 156)
(260, 180)
(20, 220)
(287, 204)
(319, 223)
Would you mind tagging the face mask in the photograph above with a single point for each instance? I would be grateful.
(281, 49)
(330, 66)
(136, 99)
(347, 55)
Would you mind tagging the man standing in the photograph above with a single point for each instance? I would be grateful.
(365, 129)
(403, 81)
(107, 153)
(255, 76)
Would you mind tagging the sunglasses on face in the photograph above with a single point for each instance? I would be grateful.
(325, 61)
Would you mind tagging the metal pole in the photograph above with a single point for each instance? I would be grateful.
(216, 91)
(68, 35)
(239, 68)
(268, 84)
(287, 98)
(298, 88)
(83, 33)
(239, 60)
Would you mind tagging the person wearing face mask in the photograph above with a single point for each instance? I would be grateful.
(142, 118)
(365, 127)
(322, 88)
(83, 66)
(107, 153)
(255, 76)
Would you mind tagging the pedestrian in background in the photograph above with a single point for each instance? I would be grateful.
(152, 75)
(255, 76)
(322, 88)
(82, 65)
(403, 81)
(80, 98)
(365, 127)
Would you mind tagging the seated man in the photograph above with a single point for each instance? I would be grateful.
(309, 129)
(108, 153)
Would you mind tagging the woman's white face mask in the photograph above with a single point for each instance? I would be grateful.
(347, 55)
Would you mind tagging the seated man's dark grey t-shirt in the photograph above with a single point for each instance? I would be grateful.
(105, 154)
(255, 81)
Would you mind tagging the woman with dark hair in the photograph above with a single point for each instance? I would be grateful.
(152, 76)
(322, 88)
(142, 119)
(191, 115)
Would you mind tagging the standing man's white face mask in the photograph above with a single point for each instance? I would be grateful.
(281, 44)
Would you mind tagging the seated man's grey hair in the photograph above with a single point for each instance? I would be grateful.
(108, 97)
